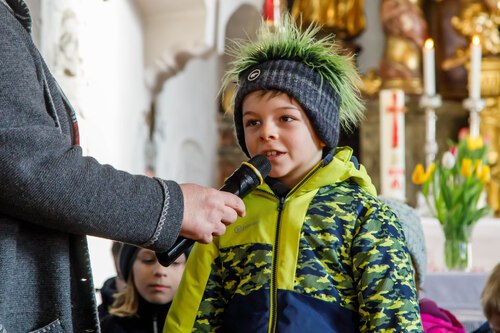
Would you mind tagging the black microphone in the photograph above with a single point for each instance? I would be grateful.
(245, 179)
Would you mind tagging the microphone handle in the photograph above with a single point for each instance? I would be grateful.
(182, 244)
(240, 183)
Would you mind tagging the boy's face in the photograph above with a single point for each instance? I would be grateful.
(277, 127)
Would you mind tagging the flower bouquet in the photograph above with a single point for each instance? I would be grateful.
(452, 190)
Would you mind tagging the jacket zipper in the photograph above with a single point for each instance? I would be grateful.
(155, 323)
(274, 288)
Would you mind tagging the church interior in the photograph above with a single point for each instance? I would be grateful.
(145, 78)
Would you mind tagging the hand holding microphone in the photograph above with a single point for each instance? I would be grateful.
(247, 177)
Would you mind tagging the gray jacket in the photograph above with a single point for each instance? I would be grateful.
(51, 197)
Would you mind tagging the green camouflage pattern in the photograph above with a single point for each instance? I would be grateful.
(357, 241)
(246, 268)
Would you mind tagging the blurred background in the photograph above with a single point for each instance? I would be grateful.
(144, 77)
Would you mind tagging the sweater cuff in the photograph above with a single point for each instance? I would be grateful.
(170, 221)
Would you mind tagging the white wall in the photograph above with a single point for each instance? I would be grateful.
(114, 100)
(187, 124)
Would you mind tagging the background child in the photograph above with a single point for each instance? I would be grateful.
(150, 287)
(434, 318)
(317, 251)
(490, 300)
(111, 285)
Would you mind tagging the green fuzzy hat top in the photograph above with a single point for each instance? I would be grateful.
(313, 71)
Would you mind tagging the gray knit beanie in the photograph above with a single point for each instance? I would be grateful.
(319, 101)
(414, 234)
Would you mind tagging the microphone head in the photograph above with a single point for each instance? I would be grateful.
(262, 164)
(248, 176)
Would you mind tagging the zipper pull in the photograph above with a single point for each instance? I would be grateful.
(281, 204)
(155, 323)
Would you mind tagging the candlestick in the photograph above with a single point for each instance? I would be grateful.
(430, 104)
(475, 69)
(475, 106)
(429, 71)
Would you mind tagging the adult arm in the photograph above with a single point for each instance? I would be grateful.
(45, 179)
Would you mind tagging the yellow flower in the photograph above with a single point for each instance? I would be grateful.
(485, 174)
(418, 176)
(474, 143)
(466, 169)
(478, 167)
(452, 187)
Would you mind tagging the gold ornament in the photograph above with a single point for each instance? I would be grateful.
(344, 18)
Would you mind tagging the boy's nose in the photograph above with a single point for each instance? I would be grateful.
(268, 131)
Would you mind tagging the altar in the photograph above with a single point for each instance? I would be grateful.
(460, 292)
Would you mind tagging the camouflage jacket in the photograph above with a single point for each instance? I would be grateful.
(328, 257)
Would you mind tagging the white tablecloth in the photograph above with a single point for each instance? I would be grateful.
(460, 292)
(485, 244)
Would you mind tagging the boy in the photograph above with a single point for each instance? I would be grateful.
(316, 252)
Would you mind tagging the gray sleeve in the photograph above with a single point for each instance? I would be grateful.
(45, 180)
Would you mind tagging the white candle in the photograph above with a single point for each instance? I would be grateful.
(429, 73)
(277, 12)
(475, 69)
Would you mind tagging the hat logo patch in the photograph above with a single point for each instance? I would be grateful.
(253, 75)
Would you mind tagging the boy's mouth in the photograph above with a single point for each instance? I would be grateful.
(272, 153)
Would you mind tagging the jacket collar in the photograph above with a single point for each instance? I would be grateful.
(21, 12)
(340, 167)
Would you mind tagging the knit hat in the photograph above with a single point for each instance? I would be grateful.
(128, 253)
(414, 234)
(313, 72)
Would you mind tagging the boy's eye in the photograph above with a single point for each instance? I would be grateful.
(251, 122)
(286, 118)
